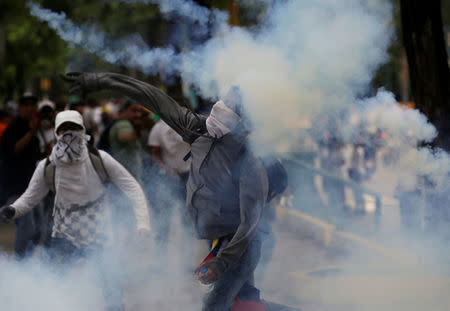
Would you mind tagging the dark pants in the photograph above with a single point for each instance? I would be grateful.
(236, 281)
(28, 232)
(63, 254)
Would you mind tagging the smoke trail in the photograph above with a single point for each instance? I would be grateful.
(131, 51)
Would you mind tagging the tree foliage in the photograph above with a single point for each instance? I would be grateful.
(31, 49)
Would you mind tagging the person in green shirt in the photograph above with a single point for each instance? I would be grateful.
(124, 139)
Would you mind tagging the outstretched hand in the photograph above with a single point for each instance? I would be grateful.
(76, 81)
(7, 213)
(82, 82)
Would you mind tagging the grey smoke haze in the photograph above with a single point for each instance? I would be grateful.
(33, 285)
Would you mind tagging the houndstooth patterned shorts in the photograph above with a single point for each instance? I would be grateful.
(83, 225)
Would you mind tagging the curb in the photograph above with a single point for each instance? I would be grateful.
(329, 236)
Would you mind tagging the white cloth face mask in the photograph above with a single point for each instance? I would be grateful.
(70, 147)
(221, 120)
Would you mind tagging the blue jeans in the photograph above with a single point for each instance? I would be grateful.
(63, 254)
(235, 281)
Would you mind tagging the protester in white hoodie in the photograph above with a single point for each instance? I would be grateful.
(81, 211)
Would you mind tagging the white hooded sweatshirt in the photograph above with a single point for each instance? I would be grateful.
(81, 214)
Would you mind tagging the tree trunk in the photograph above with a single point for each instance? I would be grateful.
(423, 38)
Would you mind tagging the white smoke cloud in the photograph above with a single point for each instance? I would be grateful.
(34, 285)
(309, 56)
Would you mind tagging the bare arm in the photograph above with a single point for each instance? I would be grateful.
(23, 143)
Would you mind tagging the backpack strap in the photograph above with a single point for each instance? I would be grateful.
(96, 160)
(98, 164)
(49, 174)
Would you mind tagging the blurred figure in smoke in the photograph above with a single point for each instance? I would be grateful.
(332, 160)
(167, 150)
(227, 188)
(76, 174)
(46, 133)
(409, 198)
(20, 152)
(125, 146)
(124, 138)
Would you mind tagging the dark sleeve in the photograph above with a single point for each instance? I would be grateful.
(180, 118)
(253, 188)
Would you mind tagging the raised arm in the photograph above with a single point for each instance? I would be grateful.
(180, 118)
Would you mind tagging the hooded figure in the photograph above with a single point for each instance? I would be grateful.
(221, 204)
(81, 210)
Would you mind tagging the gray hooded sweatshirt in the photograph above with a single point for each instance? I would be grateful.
(219, 205)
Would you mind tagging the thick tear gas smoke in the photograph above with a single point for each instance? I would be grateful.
(305, 59)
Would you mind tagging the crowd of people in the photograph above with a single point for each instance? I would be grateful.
(355, 155)
(85, 176)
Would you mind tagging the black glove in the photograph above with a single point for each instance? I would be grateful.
(81, 82)
(7, 213)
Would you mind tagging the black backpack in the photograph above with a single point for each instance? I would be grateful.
(276, 173)
(96, 160)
